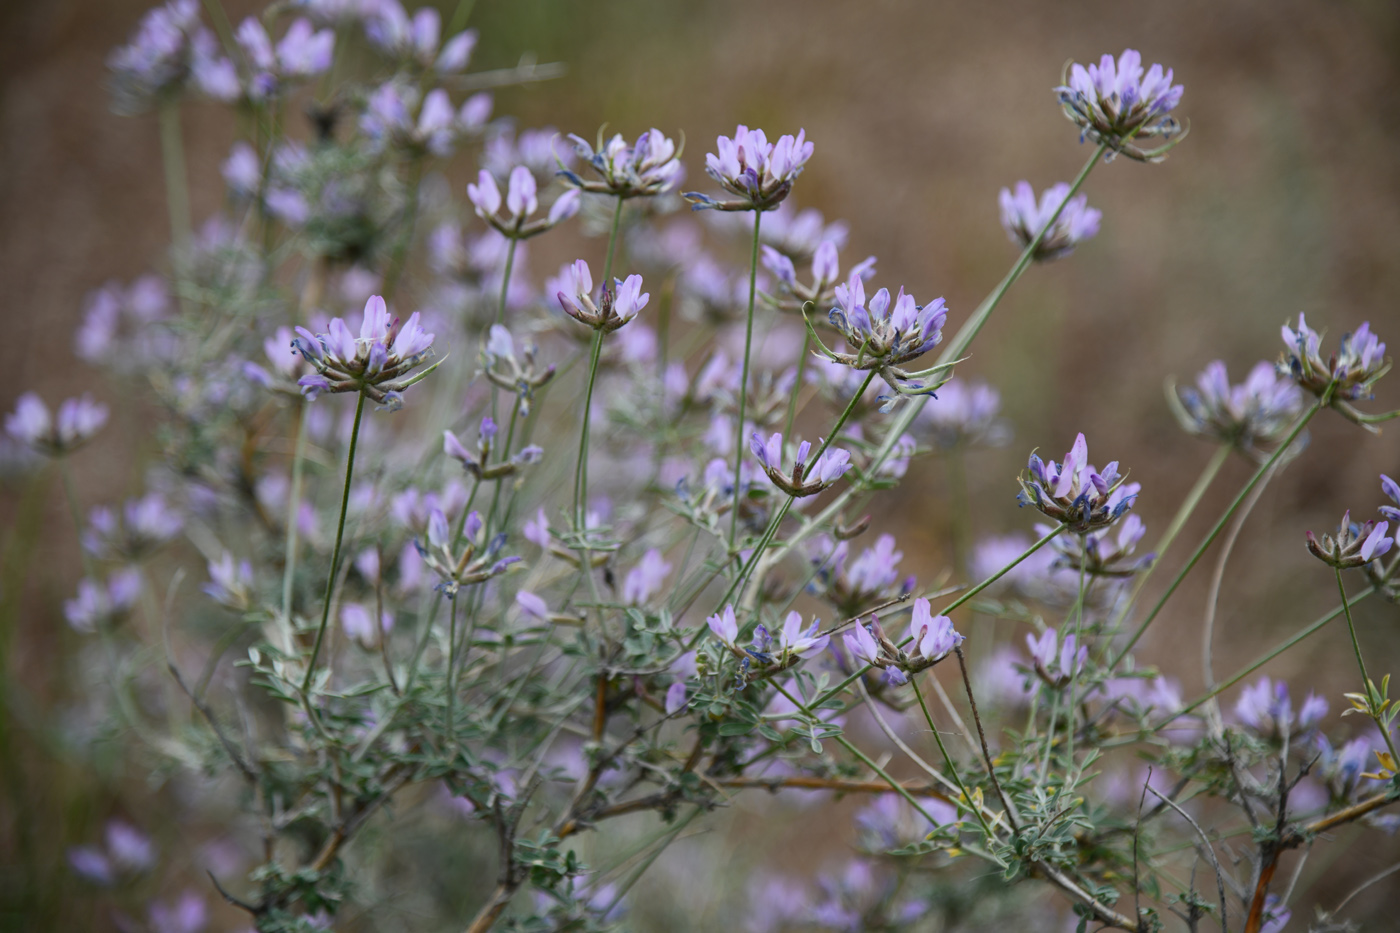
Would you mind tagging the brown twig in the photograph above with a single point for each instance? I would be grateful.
(982, 736)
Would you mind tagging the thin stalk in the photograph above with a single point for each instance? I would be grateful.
(581, 470)
(797, 385)
(1217, 528)
(1311, 629)
(948, 759)
(744, 381)
(460, 16)
(1183, 514)
(451, 667)
(177, 193)
(612, 242)
(1365, 677)
(76, 511)
(293, 507)
(339, 538)
(505, 281)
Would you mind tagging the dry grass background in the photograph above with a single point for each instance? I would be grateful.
(1285, 198)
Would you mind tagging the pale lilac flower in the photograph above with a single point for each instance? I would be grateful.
(648, 167)
(160, 59)
(646, 579)
(932, 636)
(725, 627)
(852, 585)
(377, 363)
(965, 414)
(521, 202)
(861, 644)
(187, 915)
(302, 53)
(803, 234)
(532, 605)
(1001, 678)
(1353, 545)
(1024, 219)
(230, 582)
(358, 622)
(676, 698)
(794, 640)
(1276, 915)
(389, 118)
(129, 848)
(1265, 707)
(1114, 103)
(1259, 410)
(142, 526)
(90, 864)
(886, 333)
(1075, 492)
(616, 303)
(1107, 552)
(477, 561)
(1056, 668)
(759, 173)
(417, 38)
(1392, 492)
(242, 170)
(1348, 374)
(804, 479)
(78, 419)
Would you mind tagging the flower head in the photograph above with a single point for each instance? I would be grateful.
(725, 627)
(397, 115)
(615, 304)
(853, 584)
(377, 363)
(1265, 707)
(1347, 374)
(1056, 668)
(478, 560)
(169, 50)
(805, 479)
(1259, 410)
(1024, 219)
(512, 369)
(1074, 492)
(1114, 103)
(416, 39)
(521, 202)
(98, 605)
(33, 426)
(478, 464)
(141, 527)
(796, 641)
(885, 333)
(933, 636)
(230, 581)
(646, 579)
(1107, 552)
(1354, 545)
(648, 167)
(759, 173)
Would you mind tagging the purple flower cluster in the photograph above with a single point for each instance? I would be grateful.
(1056, 667)
(77, 420)
(1266, 709)
(521, 202)
(478, 464)
(648, 167)
(964, 414)
(1259, 410)
(478, 560)
(1024, 219)
(376, 364)
(758, 173)
(1075, 493)
(804, 479)
(302, 53)
(1114, 103)
(1346, 376)
(395, 116)
(169, 50)
(416, 39)
(616, 304)
(887, 333)
(1354, 545)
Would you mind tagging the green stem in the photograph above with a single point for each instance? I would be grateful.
(1360, 663)
(293, 507)
(505, 281)
(451, 665)
(1183, 514)
(335, 552)
(612, 243)
(1311, 629)
(459, 19)
(581, 470)
(1217, 528)
(177, 191)
(744, 381)
(948, 759)
(797, 385)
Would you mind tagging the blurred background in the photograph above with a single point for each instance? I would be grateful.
(1285, 198)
